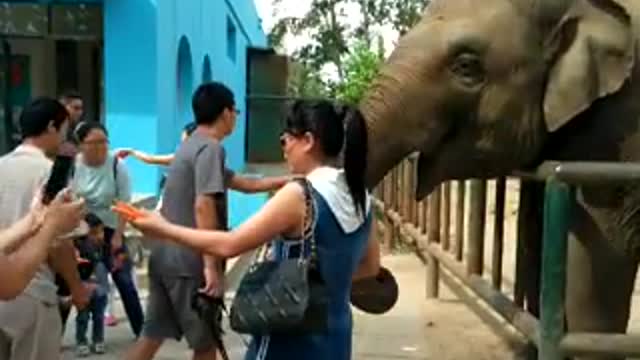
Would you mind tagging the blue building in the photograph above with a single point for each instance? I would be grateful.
(137, 62)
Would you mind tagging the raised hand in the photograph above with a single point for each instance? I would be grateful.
(64, 213)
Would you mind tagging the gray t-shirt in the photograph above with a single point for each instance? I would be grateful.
(197, 169)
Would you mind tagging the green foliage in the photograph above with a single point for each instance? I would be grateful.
(305, 82)
(361, 68)
(406, 13)
(331, 39)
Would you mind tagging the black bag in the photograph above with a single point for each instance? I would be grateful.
(285, 297)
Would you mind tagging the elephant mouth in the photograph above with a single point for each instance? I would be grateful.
(425, 176)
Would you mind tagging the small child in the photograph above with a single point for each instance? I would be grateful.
(94, 272)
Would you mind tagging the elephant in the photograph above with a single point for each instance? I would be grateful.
(481, 89)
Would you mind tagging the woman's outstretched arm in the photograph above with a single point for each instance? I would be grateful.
(282, 214)
(165, 160)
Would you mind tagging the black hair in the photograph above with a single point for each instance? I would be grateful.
(38, 114)
(210, 100)
(68, 95)
(93, 221)
(83, 129)
(190, 128)
(335, 126)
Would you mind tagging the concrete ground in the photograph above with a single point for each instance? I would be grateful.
(442, 329)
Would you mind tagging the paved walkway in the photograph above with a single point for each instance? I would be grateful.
(415, 329)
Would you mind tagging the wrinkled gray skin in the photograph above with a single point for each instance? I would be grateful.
(482, 88)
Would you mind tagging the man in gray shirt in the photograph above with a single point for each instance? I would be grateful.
(195, 195)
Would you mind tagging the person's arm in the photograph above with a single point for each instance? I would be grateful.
(146, 158)
(153, 159)
(14, 236)
(124, 194)
(282, 214)
(206, 219)
(25, 261)
(63, 261)
(253, 185)
(370, 264)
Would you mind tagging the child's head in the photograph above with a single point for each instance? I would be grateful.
(96, 228)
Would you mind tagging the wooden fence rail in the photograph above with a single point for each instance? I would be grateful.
(459, 247)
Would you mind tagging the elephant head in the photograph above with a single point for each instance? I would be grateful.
(477, 87)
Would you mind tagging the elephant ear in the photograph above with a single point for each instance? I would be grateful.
(591, 53)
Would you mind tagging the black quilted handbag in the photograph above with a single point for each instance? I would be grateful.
(287, 296)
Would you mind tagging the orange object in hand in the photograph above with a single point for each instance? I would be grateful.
(127, 211)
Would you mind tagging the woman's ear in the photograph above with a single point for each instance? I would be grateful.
(309, 141)
(52, 127)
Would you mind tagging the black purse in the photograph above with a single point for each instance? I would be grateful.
(287, 296)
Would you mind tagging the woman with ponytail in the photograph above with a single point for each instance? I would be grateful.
(317, 132)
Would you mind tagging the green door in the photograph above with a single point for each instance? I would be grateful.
(15, 91)
(266, 103)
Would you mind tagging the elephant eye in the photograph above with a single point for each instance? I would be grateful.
(468, 68)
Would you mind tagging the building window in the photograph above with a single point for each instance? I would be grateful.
(231, 39)
(184, 85)
(206, 70)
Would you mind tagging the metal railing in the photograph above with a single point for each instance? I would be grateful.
(427, 226)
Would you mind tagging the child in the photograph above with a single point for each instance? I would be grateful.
(93, 271)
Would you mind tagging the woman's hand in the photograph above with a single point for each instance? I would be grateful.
(152, 224)
(123, 153)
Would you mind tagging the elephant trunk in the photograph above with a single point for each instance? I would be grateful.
(386, 146)
(398, 111)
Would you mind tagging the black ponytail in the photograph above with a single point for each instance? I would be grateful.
(355, 158)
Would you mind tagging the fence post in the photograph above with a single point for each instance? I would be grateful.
(478, 206)
(498, 234)
(557, 214)
(446, 216)
(433, 236)
(460, 219)
(393, 194)
(411, 183)
(386, 204)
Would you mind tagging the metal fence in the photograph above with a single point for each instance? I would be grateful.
(426, 225)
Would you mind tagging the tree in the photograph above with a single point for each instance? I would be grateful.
(331, 37)
(361, 68)
(327, 35)
(406, 13)
(374, 12)
(305, 82)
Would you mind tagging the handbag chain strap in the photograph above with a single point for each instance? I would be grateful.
(309, 223)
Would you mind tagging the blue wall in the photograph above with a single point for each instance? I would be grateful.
(130, 81)
(145, 107)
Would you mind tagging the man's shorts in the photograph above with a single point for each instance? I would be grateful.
(29, 329)
(170, 315)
